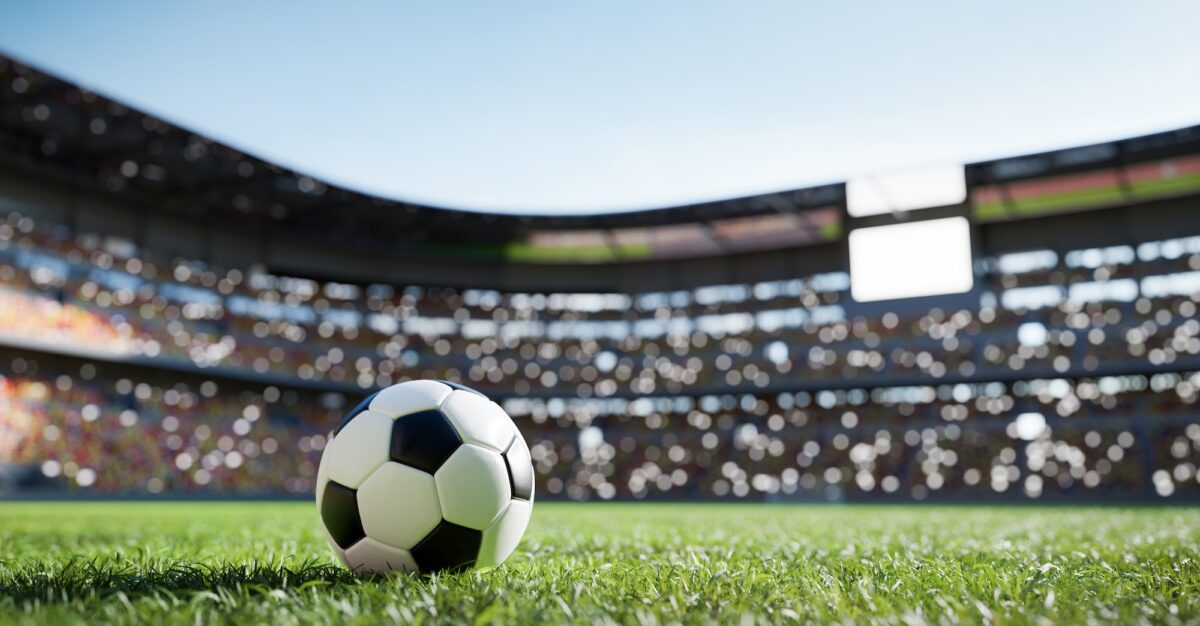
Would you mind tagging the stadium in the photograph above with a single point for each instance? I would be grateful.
(719, 355)
(183, 322)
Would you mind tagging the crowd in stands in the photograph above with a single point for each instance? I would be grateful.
(1107, 437)
(1117, 435)
(127, 436)
(688, 393)
(1039, 314)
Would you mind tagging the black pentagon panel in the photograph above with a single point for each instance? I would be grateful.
(520, 470)
(339, 511)
(448, 547)
(362, 406)
(423, 440)
(460, 387)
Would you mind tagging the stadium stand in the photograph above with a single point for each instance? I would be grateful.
(709, 351)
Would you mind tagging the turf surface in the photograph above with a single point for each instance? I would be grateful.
(202, 563)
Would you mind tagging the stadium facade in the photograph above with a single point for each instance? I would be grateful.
(179, 317)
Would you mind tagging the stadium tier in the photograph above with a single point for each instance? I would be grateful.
(178, 317)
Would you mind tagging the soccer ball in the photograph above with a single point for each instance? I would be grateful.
(425, 476)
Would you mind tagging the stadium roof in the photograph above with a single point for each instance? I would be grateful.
(62, 132)
(66, 130)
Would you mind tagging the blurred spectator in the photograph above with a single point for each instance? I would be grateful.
(711, 363)
(1121, 435)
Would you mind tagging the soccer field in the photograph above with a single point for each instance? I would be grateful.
(630, 563)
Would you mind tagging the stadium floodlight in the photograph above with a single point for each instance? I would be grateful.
(1032, 334)
(1029, 426)
(876, 194)
(925, 258)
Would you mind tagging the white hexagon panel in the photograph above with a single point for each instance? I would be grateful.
(473, 487)
(410, 397)
(322, 476)
(479, 420)
(398, 505)
(338, 552)
(360, 448)
(372, 557)
(502, 537)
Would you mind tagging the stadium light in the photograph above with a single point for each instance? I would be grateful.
(876, 194)
(1029, 426)
(908, 260)
(1032, 334)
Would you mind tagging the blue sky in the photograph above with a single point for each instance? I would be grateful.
(549, 107)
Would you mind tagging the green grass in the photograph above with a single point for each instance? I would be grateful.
(202, 563)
